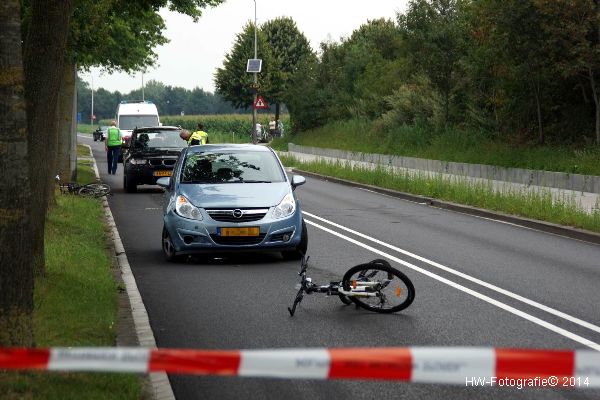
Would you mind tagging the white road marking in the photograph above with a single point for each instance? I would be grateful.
(490, 286)
(499, 304)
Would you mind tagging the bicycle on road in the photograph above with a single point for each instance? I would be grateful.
(375, 286)
(94, 189)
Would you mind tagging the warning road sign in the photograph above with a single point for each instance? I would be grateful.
(260, 103)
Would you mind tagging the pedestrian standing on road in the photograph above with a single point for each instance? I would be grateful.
(199, 137)
(112, 146)
(272, 127)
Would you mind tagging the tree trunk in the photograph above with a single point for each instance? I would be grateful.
(44, 56)
(277, 110)
(596, 103)
(16, 272)
(536, 90)
(66, 135)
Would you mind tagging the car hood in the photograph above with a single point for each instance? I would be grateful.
(157, 152)
(235, 195)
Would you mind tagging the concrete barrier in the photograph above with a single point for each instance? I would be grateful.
(557, 180)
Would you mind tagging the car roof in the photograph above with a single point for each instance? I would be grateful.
(229, 147)
(157, 128)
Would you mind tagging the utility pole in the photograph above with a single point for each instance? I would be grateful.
(92, 116)
(143, 98)
(254, 133)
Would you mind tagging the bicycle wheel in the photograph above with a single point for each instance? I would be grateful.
(94, 190)
(378, 287)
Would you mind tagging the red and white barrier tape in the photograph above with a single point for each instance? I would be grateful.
(455, 365)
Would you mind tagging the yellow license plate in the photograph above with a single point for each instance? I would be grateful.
(163, 173)
(248, 231)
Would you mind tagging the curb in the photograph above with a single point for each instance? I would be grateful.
(160, 386)
(560, 230)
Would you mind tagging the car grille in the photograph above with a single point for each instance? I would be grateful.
(167, 162)
(237, 240)
(247, 215)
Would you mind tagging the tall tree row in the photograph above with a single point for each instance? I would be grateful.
(523, 70)
(58, 37)
(16, 273)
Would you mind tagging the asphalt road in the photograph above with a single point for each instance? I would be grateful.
(479, 282)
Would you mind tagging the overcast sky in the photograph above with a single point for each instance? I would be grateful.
(196, 50)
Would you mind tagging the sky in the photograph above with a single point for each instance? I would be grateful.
(196, 50)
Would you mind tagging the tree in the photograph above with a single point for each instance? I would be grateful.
(120, 36)
(16, 273)
(288, 47)
(575, 43)
(434, 32)
(232, 81)
(45, 47)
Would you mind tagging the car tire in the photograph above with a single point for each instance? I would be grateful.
(129, 183)
(300, 250)
(168, 249)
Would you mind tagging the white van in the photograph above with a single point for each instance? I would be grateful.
(135, 114)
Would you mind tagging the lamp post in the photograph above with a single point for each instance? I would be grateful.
(143, 98)
(254, 133)
(92, 116)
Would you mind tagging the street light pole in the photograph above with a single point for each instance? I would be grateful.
(254, 133)
(92, 116)
(143, 98)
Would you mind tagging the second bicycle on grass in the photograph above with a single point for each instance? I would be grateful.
(94, 189)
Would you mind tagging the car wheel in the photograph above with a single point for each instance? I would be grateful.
(300, 250)
(168, 248)
(129, 183)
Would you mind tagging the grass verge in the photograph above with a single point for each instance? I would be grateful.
(535, 205)
(75, 305)
(448, 144)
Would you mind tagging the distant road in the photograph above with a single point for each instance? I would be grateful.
(479, 283)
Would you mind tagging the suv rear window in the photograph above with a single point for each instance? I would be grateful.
(158, 139)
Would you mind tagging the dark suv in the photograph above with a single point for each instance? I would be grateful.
(152, 155)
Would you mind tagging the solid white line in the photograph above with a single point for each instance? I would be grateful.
(495, 288)
(499, 304)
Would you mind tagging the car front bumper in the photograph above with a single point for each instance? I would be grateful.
(192, 236)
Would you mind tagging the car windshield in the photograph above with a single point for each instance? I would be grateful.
(231, 167)
(158, 139)
(137, 121)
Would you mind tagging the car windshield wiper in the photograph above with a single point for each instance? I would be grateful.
(254, 181)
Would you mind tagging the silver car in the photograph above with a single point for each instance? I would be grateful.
(225, 198)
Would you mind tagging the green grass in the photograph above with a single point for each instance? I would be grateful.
(86, 128)
(83, 151)
(450, 144)
(535, 205)
(75, 305)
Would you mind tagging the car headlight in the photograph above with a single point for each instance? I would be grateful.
(138, 162)
(285, 208)
(186, 209)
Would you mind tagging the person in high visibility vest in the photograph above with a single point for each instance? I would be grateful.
(112, 146)
(199, 137)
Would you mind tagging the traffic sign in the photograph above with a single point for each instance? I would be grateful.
(260, 102)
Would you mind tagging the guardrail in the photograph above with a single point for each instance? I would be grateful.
(435, 365)
(558, 180)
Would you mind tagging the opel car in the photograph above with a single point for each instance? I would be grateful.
(229, 198)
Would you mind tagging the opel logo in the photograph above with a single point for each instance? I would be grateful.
(238, 213)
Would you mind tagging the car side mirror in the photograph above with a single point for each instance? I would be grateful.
(298, 180)
(164, 182)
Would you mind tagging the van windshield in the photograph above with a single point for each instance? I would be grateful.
(129, 122)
